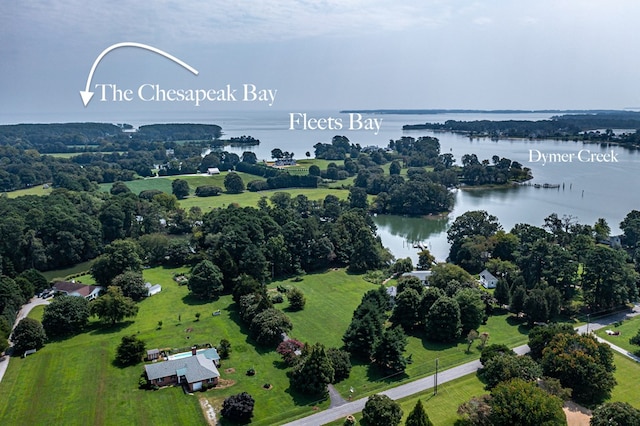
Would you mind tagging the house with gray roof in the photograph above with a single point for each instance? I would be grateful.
(192, 371)
(488, 280)
(423, 276)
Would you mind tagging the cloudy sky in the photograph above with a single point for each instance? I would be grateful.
(330, 54)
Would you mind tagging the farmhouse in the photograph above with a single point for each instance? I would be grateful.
(192, 371)
(487, 279)
(72, 288)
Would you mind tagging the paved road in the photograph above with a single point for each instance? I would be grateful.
(24, 311)
(425, 383)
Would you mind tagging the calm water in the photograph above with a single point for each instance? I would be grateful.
(591, 190)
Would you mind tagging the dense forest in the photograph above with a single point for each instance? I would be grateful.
(595, 127)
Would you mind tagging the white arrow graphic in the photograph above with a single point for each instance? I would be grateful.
(86, 94)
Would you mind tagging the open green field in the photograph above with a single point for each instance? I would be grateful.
(35, 190)
(81, 368)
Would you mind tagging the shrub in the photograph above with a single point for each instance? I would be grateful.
(238, 408)
(208, 191)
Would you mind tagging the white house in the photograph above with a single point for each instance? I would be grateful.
(72, 288)
(487, 279)
(213, 171)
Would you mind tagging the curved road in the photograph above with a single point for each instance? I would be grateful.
(24, 311)
(408, 389)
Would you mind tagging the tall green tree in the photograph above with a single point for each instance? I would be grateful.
(119, 256)
(522, 403)
(608, 280)
(113, 306)
(615, 414)
(581, 363)
(233, 183)
(388, 354)
(28, 334)
(406, 311)
(132, 285)
(314, 373)
(268, 326)
(443, 323)
(418, 416)
(205, 280)
(380, 410)
(65, 315)
(130, 350)
(472, 309)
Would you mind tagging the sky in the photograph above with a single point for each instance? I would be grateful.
(318, 55)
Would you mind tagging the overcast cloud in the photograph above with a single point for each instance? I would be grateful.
(325, 54)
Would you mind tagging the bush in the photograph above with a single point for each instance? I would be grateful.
(380, 410)
(28, 334)
(296, 299)
(277, 298)
(257, 185)
(130, 351)
(208, 191)
(238, 408)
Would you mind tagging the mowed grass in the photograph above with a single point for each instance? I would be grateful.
(440, 408)
(38, 190)
(628, 376)
(627, 329)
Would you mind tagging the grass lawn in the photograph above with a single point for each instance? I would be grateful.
(36, 313)
(81, 368)
(628, 375)
(442, 407)
(627, 329)
(35, 190)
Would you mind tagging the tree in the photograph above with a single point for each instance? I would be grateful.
(470, 224)
(631, 228)
(365, 328)
(233, 183)
(277, 153)
(132, 285)
(501, 368)
(418, 416)
(287, 350)
(608, 280)
(410, 282)
(395, 168)
(205, 280)
(535, 307)
(502, 292)
(476, 411)
(268, 326)
(314, 170)
(238, 408)
(224, 349)
(113, 306)
(522, 403)
(388, 353)
(615, 414)
(358, 198)
(402, 265)
(494, 350)
(130, 351)
(380, 410)
(28, 334)
(249, 157)
(180, 188)
(406, 311)
(442, 323)
(581, 363)
(471, 309)
(65, 315)
(340, 362)
(444, 273)
(119, 256)
(314, 373)
(296, 299)
(425, 259)
(541, 336)
(518, 300)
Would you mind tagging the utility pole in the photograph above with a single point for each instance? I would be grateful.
(435, 388)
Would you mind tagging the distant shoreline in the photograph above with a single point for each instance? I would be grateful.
(481, 111)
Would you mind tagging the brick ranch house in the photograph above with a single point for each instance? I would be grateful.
(192, 371)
